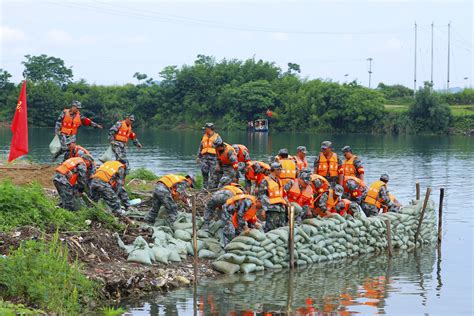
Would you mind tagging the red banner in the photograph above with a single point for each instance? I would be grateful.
(19, 145)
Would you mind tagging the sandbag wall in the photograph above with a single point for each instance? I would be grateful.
(326, 239)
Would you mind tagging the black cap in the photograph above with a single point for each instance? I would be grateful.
(384, 178)
(209, 125)
(283, 151)
(346, 149)
(326, 144)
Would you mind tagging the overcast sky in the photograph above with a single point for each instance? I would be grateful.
(106, 42)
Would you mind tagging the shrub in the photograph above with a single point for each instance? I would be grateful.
(142, 174)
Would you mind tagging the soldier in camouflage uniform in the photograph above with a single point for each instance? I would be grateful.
(218, 199)
(71, 179)
(227, 164)
(274, 206)
(241, 206)
(119, 134)
(169, 189)
(334, 194)
(352, 164)
(255, 171)
(109, 186)
(301, 207)
(379, 197)
(74, 150)
(347, 207)
(354, 191)
(243, 157)
(67, 124)
(206, 156)
(329, 165)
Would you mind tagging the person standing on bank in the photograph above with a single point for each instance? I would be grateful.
(119, 134)
(207, 155)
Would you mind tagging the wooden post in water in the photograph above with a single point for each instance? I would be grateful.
(440, 215)
(291, 241)
(422, 215)
(195, 248)
(417, 190)
(389, 237)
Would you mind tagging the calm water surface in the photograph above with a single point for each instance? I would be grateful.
(420, 283)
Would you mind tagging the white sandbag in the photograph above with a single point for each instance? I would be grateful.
(161, 254)
(140, 256)
(225, 267)
(107, 155)
(55, 145)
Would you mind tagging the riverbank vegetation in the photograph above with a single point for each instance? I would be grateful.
(231, 92)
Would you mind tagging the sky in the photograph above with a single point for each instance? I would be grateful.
(106, 42)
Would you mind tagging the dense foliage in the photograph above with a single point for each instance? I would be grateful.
(229, 92)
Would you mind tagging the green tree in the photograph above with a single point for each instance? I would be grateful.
(47, 68)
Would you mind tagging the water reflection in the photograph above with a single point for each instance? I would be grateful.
(364, 285)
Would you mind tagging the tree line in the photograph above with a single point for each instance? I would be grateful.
(229, 92)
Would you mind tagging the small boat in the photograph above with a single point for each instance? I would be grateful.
(260, 125)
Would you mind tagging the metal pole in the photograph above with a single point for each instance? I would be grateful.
(291, 242)
(449, 49)
(440, 215)
(422, 215)
(389, 237)
(417, 191)
(414, 73)
(432, 47)
(370, 70)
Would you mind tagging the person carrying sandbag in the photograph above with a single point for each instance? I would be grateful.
(255, 172)
(218, 199)
(300, 195)
(227, 164)
(378, 197)
(354, 189)
(75, 150)
(107, 184)
(270, 194)
(327, 201)
(169, 189)
(71, 178)
(119, 134)
(67, 125)
(239, 215)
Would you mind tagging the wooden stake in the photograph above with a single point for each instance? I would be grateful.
(440, 215)
(389, 237)
(422, 215)
(291, 241)
(195, 247)
(417, 191)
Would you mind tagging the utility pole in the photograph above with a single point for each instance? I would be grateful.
(449, 49)
(414, 72)
(370, 69)
(432, 42)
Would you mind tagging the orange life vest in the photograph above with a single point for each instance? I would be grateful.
(233, 188)
(207, 143)
(124, 132)
(325, 182)
(359, 182)
(171, 179)
(301, 197)
(223, 156)
(328, 167)
(372, 197)
(288, 170)
(70, 124)
(332, 201)
(74, 152)
(250, 214)
(250, 172)
(346, 209)
(301, 164)
(348, 166)
(107, 171)
(275, 191)
(241, 153)
(67, 167)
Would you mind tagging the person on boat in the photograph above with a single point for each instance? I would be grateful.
(300, 195)
(169, 189)
(119, 134)
(107, 183)
(300, 158)
(243, 156)
(288, 165)
(71, 178)
(75, 150)
(352, 164)
(328, 200)
(329, 165)
(217, 201)
(227, 164)
(207, 156)
(254, 174)
(270, 193)
(378, 197)
(239, 215)
(354, 189)
(67, 125)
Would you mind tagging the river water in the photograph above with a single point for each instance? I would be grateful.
(422, 283)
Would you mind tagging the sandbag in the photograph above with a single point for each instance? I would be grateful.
(161, 254)
(107, 155)
(182, 235)
(247, 267)
(232, 258)
(140, 256)
(237, 246)
(55, 145)
(174, 255)
(257, 234)
(225, 267)
(207, 254)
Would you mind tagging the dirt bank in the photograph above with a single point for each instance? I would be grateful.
(24, 174)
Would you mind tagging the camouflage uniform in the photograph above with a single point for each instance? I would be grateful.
(162, 197)
(275, 213)
(332, 180)
(120, 148)
(75, 152)
(65, 139)
(208, 168)
(70, 195)
(357, 166)
(323, 201)
(359, 199)
(300, 211)
(230, 232)
(112, 196)
(216, 201)
(225, 171)
(384, 197)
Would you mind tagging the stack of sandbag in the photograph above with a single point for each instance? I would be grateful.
(326, 239)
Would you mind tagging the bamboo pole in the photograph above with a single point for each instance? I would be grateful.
(195, 248)
(422, 215)
(389, 237)
(440, 215)
(417, 190)
(291, 241)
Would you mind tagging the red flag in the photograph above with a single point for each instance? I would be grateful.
(19, 146)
